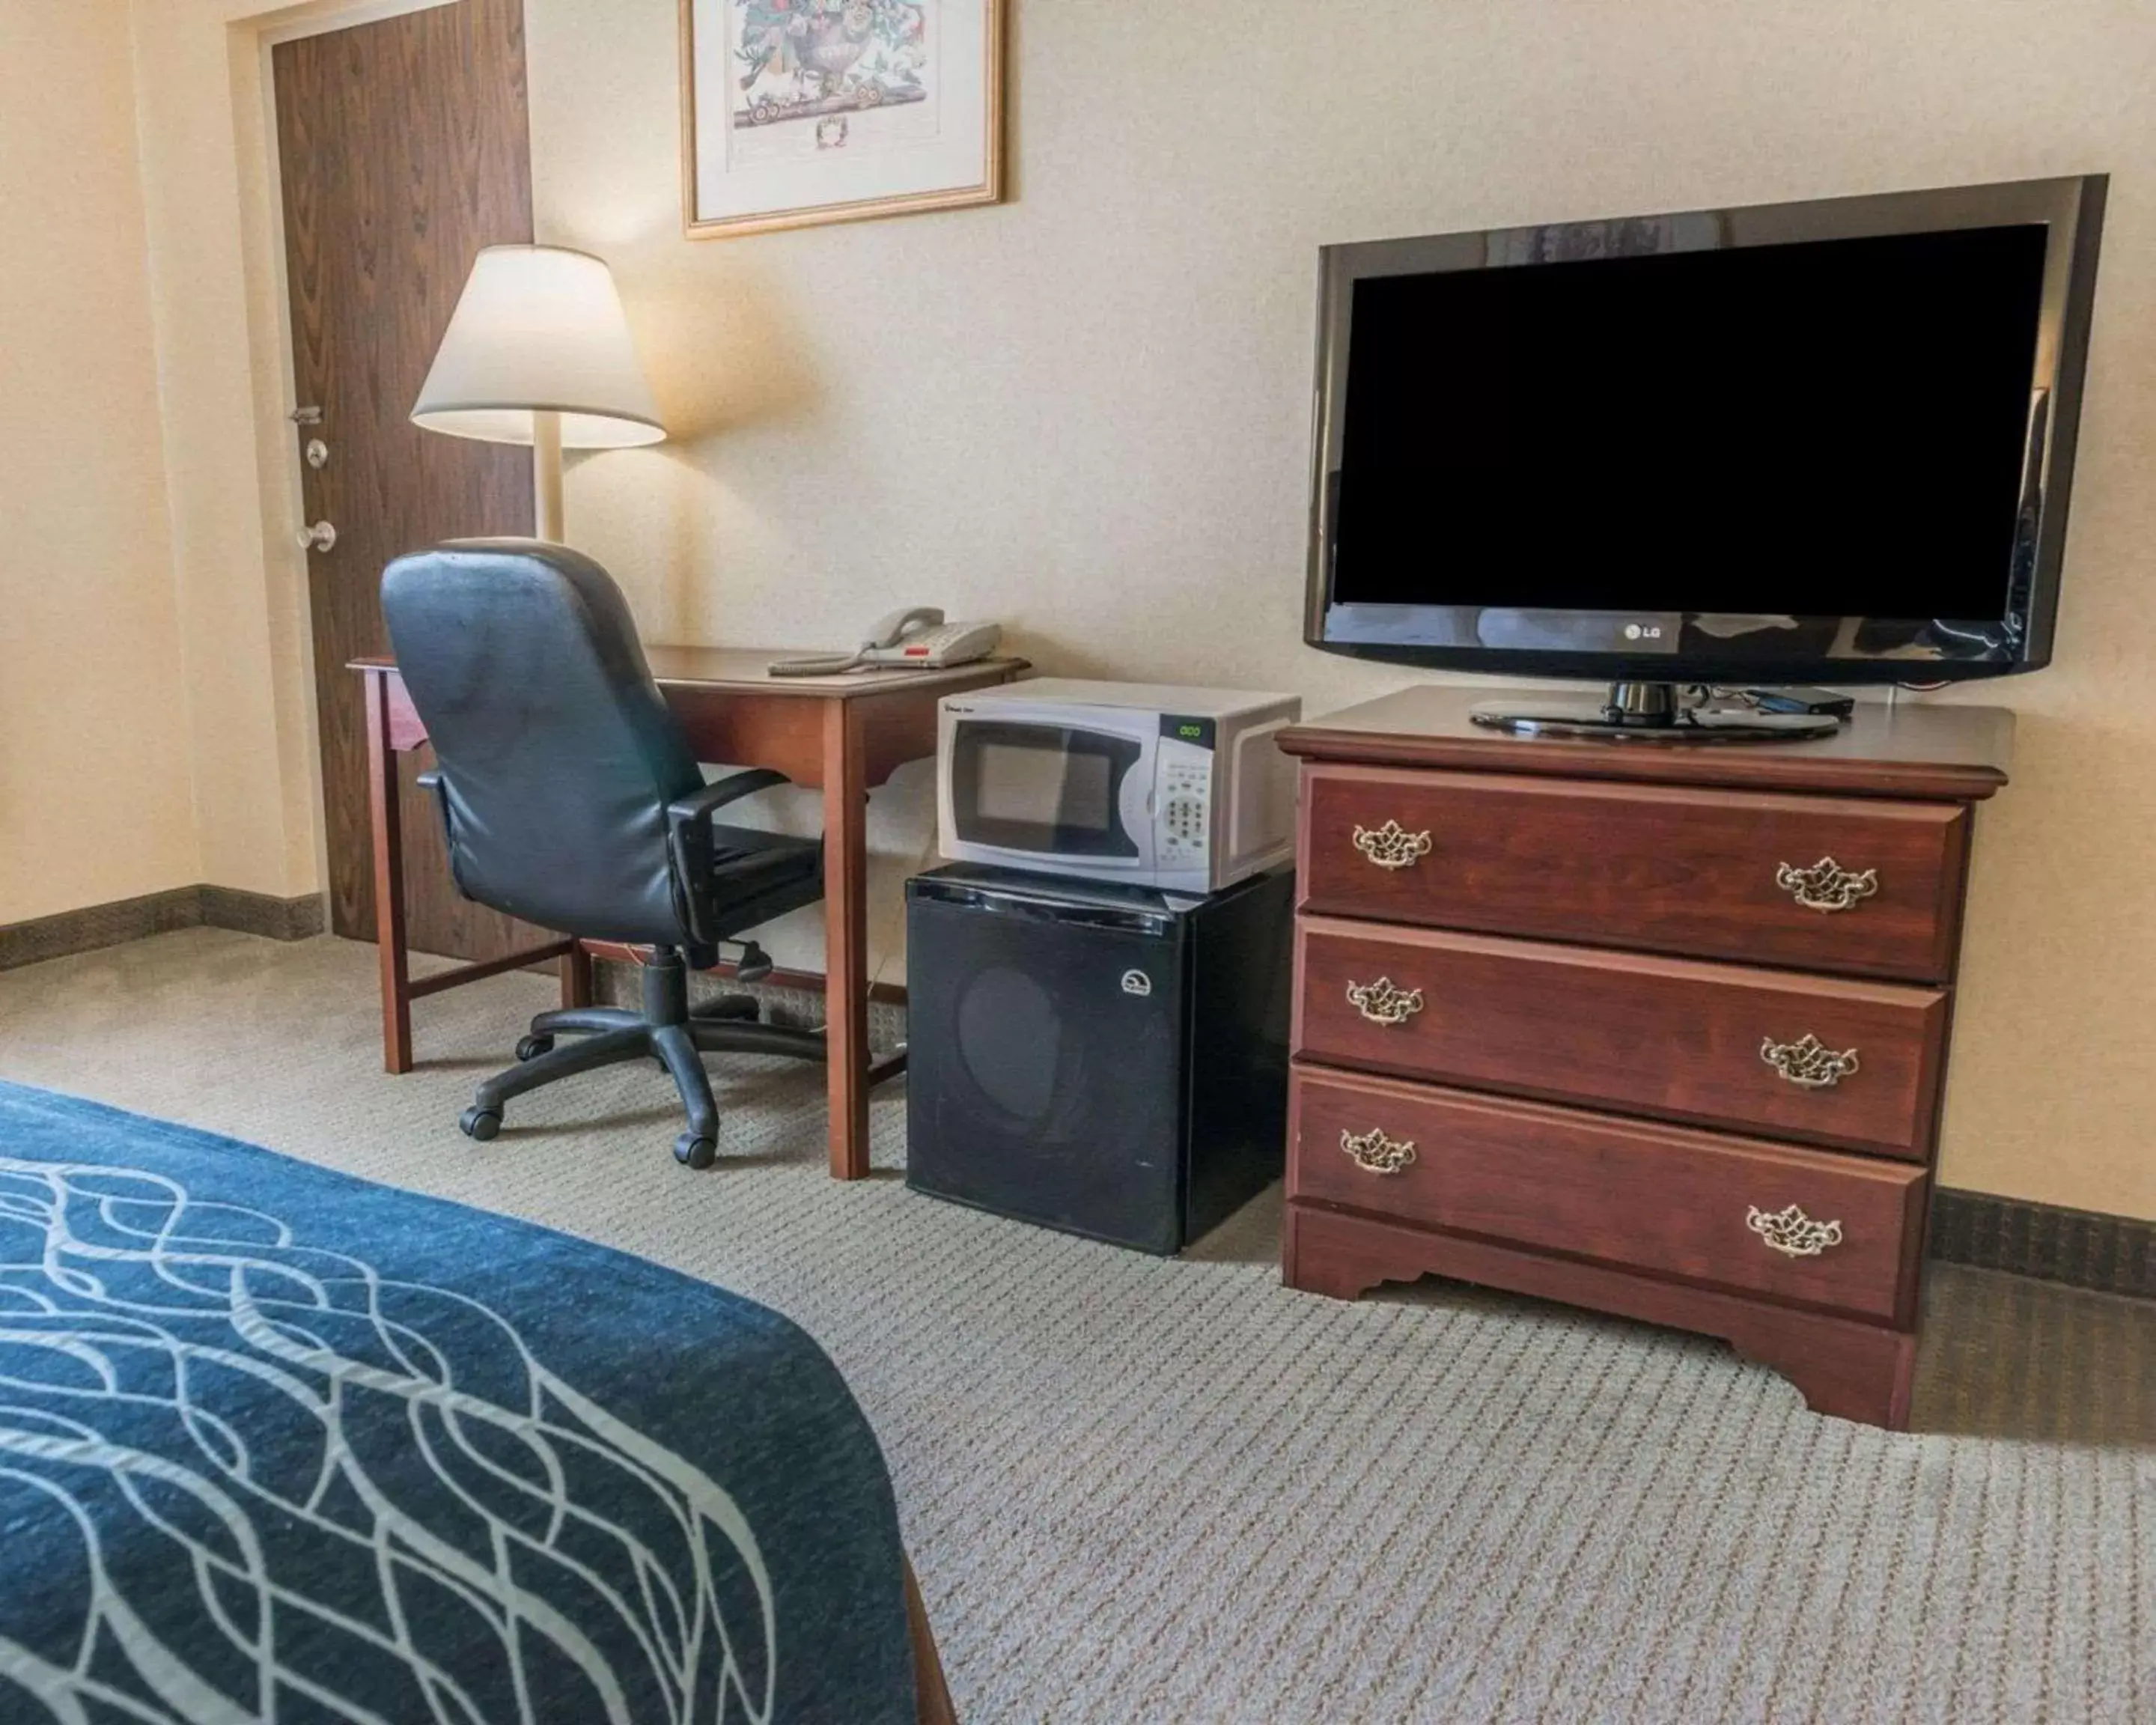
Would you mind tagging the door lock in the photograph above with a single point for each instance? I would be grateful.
(321, 536)
(318, 454)
(305, 416)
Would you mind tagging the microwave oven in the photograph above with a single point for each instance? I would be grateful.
(1183, 790)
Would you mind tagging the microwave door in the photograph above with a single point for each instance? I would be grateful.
(1040, 790)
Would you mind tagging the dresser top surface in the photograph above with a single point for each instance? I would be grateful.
(1911, 749)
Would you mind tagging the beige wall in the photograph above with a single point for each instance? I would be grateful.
(96, 797)
(224, 365)
(1087, 413)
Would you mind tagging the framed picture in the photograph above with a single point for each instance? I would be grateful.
(799, 111)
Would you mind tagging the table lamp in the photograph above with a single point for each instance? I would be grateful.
(538, 353)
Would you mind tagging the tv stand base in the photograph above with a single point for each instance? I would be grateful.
(1646, 712)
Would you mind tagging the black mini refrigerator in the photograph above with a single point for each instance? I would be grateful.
(1109, 1061)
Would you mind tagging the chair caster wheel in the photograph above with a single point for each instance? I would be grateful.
(529, 1048)
(693, 1152)
(481, 1123)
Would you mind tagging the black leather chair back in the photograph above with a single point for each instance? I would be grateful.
(557, 754)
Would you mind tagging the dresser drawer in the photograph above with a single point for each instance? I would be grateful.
(1855, 1064)
(1817, 883)
(1805, 1225)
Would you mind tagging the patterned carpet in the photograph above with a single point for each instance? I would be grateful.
(1176, 1492)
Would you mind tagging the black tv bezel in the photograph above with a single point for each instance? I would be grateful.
(2072, 206)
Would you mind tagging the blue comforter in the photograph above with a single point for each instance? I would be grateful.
(276, 1444)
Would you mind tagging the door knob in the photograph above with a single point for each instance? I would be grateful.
(321, 536)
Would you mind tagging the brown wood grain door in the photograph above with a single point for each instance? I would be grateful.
(404, 149)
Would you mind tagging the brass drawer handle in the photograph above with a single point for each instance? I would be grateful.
(1391, 847)
(1382, 1004)
(1808, 1062)
(1376, 1153)
(1826, 885)
(1791, 1231)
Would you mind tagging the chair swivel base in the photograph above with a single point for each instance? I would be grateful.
(666, 1030)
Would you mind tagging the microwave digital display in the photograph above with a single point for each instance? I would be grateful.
(1045, 787)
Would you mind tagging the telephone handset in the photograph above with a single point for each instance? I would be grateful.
(917, 637)
(914, 620)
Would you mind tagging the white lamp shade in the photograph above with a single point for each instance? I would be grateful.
(539, 327)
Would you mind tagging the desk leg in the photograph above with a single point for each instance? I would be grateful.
(846, 938)
(388, 881)
(576, 977)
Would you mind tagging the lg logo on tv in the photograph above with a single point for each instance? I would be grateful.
(1643, 631)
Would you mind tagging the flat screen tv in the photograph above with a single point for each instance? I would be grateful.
(1823, 443)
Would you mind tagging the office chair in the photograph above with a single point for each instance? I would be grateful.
(570, 799)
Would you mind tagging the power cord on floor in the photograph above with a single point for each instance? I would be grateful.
(920, 862)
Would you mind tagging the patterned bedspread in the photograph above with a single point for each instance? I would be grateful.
(276, 1444)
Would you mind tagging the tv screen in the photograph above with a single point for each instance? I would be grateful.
(1726, 441)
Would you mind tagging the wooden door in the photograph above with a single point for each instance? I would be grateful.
(404, 149)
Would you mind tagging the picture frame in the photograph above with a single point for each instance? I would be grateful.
(796, 113)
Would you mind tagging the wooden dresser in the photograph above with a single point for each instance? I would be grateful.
(1658, 1028)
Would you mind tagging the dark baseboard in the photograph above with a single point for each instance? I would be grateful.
(807, 982)
(792, 996)
(277, 919)
(131, 919)
(2083, 1249)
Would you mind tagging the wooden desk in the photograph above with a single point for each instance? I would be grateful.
(845, 734)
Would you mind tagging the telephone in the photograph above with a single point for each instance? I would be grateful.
(917, 637)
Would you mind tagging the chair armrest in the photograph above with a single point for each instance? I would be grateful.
(699, 806)
(689, 841)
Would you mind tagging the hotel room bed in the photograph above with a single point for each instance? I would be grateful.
(278, 1444)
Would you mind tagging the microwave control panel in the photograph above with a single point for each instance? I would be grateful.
(1184, 822)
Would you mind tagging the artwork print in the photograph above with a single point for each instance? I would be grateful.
(831, 74)
(814, 111)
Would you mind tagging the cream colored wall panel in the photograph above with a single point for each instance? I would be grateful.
(214, 248)
(96, 801)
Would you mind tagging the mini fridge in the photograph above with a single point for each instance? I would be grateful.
(1108, 1060)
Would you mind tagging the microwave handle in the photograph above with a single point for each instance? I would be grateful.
(1135, 805)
